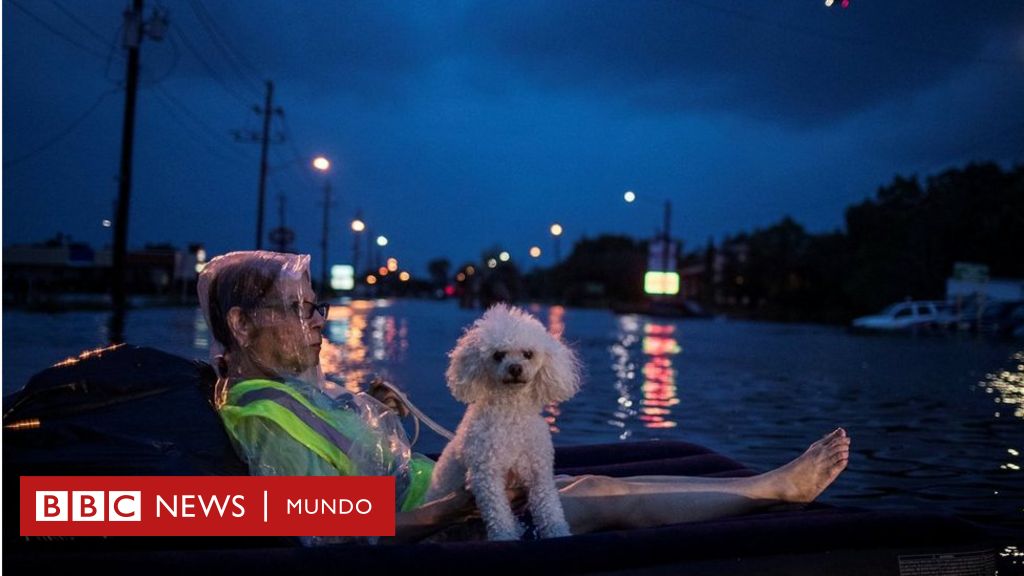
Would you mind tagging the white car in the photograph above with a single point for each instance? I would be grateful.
(909, 315)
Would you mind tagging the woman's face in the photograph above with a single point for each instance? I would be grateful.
(288, 335)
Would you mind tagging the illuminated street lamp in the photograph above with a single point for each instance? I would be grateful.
(664, 238)
(504, 256)
(556, 231)
(323, 164)
(382, 241)
(535, 251)
(357, 226)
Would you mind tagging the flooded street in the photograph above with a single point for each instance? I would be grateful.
(937, 423)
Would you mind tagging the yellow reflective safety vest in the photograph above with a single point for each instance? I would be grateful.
(281, 432)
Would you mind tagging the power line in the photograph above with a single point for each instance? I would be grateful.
(292, 163)
(297, 157)
(196, 135)
(209, 68)
(83, 25)
(170, 99)
(221, 43)
(57, 32)
(175, 56)
(63, 133)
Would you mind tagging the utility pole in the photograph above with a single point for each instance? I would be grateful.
(134, 30)
(267, 111)
(282, 245)
(355, 246)
(323, 241)
(668, 237)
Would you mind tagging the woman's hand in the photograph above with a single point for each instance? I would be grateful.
(386, 396)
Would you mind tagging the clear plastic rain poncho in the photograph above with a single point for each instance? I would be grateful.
(266, 329)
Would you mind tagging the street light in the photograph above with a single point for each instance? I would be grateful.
(556, 231)
(357, 226)
(535, 251)
(665, 236)
(382, 241)
(323, 164)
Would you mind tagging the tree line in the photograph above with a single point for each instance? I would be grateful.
(900, 244)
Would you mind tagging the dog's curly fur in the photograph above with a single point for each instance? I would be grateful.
(507, 367)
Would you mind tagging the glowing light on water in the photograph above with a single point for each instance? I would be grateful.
(1008, 387)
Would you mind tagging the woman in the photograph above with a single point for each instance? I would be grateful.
(266, 328)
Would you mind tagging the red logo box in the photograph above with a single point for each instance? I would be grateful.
(207, 506)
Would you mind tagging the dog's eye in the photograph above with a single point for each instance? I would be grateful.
(498, 356)
(527, 354)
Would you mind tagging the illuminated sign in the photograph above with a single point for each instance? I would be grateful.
(343, 277)
(664, 283)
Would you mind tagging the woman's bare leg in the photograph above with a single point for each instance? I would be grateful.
(600, 502)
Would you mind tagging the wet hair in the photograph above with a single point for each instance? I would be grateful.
(245, 284)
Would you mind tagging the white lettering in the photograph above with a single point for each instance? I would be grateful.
(51, 506)
(172, 509)
(328, 506)
(125, 506)
(87, 506)
(188, 506)
(213, 502)
(238, 501)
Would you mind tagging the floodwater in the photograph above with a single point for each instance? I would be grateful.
(937, 423)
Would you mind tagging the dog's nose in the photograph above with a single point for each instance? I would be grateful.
(515, 370)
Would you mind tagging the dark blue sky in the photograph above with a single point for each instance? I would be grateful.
(458, 126)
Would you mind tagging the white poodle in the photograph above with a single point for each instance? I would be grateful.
(507, 367)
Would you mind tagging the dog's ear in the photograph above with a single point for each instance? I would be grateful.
(466, 369)
(559, 377)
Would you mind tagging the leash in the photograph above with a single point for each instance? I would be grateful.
(417, 414)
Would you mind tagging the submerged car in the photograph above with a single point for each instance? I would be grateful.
(997, 317)
(910, 315)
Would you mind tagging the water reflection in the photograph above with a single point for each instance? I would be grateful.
(200, 332)
(1008, 388)
(356, 335)
(556, 326)
(658, 392)
(659, 387)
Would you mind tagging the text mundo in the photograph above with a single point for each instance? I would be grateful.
(336, 506)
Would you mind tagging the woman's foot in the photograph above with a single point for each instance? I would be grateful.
(805, 478)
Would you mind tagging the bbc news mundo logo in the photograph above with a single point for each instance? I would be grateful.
(207, 506)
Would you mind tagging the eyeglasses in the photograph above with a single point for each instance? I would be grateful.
(304, 309)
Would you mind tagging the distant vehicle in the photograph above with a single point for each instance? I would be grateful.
(999, 317)
(910, 315)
